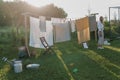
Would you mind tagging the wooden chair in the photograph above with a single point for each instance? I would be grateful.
(48, 48)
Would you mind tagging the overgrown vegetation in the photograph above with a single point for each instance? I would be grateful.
(113, 30)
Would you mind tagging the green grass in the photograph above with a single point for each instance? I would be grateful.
(91, 64)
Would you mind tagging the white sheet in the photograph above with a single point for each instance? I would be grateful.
(35, 33)
(58, 20)
(61, 32)
(42, 24)
(49, 33)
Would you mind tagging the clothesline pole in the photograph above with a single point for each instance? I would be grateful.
(26, 34)
(96, 35)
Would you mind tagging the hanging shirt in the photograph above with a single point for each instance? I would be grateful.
(100, 26)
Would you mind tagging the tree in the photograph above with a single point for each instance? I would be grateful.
(115, 18)
(52, 11)
(10, 12)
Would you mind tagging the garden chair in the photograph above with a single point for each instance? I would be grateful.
(48, 48)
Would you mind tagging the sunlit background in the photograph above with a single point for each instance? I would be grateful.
(78, 8)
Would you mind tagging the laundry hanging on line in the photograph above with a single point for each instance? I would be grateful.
(63, 20)
(61, 32)
(83, 32)
(58, 20)
(83, 35)
(92, 23)
(42, 23)
(35, 33)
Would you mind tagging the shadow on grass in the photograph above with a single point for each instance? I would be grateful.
(50, 68)
(110, 53)
(85, 60)
(103, 62)
(59, 54)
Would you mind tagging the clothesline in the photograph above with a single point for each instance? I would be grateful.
(60, 31)
(56, 28)
(27, 16)
(47, 17)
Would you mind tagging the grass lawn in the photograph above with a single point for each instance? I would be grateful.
(69, 62)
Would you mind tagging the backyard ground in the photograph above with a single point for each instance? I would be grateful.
(69, 62)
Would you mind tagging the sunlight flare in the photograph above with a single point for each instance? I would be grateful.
(113, 48)
(103, 62)
(38, 3)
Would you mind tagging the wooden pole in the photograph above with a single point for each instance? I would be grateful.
(96, 35)
(26, 35)
(109, 23)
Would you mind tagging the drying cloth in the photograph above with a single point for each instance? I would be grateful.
(49, 33)
(61, 32)
(58, 20)
(82, 23)
(100, 26)
(35, 33)
(83, 36)
(92, 23)
(42, 24)
(83, 32)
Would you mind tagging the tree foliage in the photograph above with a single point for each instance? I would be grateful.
(11, 12)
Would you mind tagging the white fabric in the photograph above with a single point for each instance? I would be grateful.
(35, 33)
(101, 38)
(72, 24)
(106, 42)
(58, 20)
(42, 24)
(85, 45)
(61, 32)
(49, 33)
(100, 30)
(100, 26)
